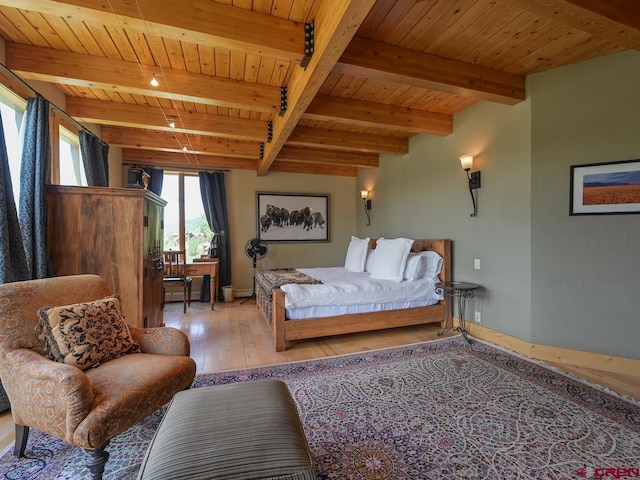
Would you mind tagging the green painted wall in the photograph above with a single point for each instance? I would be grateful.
(548, 277)
(241, 188)
(585, 268)
(425, 194)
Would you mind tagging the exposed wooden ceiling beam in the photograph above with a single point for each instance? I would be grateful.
(328, 157)
(167, 141)
(344, 110)
(119, 76)
(143, 116)
(131, 156)
(181, 161)
(341, 140)
(618, 21)
(204, 23)
(313, 169)
(390, 63)
(336, 22)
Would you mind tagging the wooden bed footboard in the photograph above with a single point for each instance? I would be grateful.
(286, 330)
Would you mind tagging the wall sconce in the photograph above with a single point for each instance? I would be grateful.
(367, 204)
(474, 180)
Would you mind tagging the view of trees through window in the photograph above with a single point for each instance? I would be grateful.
(192, 221)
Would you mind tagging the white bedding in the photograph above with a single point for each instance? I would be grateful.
(343, 291)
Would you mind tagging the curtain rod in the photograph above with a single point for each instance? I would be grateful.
(75, 122)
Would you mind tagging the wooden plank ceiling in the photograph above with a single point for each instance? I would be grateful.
(381, 71)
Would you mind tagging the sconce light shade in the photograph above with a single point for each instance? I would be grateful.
(467, 162)
(367, 204)
(473, 179)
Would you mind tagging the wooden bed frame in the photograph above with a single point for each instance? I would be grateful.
(287, 330)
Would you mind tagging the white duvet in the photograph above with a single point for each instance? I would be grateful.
(343, 287)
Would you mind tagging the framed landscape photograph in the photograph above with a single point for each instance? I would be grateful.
(292, 217)
(605, 188)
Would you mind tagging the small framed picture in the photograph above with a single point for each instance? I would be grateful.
(292, 217)
(605, 188)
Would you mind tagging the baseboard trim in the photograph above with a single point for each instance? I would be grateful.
(558, 355)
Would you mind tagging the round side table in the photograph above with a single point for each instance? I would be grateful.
(459, 291)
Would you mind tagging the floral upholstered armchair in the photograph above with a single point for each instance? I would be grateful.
(77, 371)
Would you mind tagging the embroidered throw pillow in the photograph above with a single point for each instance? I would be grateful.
(86, 334)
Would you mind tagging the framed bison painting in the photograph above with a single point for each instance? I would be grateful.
(605, 188)
(292, 217)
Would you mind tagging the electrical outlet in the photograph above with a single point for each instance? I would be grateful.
(476, 263)
(477, 317)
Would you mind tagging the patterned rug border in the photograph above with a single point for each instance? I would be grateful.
(560, 371)
(591, 396)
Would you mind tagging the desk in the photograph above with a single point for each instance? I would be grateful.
(461, 291)
(206, 266)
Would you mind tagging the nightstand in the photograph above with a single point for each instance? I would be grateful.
(460, 291)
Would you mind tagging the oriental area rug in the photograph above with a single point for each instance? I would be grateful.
(434, 410)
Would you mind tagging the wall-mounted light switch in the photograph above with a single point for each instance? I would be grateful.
(476, 263)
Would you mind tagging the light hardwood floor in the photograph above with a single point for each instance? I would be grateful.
(236, 336)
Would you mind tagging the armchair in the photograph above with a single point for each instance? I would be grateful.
(85, 408)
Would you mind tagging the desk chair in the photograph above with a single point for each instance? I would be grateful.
(175, 274)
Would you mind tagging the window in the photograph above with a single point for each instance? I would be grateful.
(67, 167)
(185, 224)
(71, 165)
(12, 111)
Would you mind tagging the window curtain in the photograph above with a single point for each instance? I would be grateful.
(34, 175)
(13, 262)
(156, 178)
(95, 157)
(215, 208)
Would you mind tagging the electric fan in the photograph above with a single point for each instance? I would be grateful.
(256, 250)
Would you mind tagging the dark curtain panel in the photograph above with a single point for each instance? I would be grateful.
(156, 177)
(214, 200)
(95, 157)
(34, 175)
(13, 263)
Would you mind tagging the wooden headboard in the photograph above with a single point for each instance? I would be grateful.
(441, 246)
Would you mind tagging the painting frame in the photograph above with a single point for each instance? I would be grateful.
(307, 217)
(607, 188)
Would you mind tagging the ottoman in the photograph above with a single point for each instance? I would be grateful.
(240, 431)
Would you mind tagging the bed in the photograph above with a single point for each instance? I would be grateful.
(271, 300)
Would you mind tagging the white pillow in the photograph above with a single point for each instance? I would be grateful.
(356, 254)
(415, 267)
(433, 264)
(369, 261)
(390, 258)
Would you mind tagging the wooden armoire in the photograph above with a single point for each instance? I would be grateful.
(117, 233)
